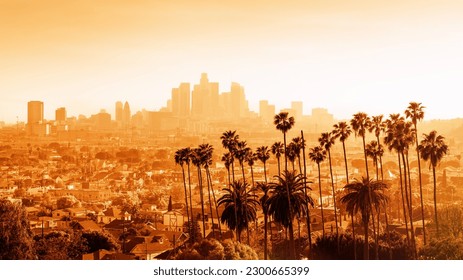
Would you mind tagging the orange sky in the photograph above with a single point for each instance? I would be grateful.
(347, 56)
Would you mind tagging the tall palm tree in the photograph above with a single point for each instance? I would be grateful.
(318, 155)
(187, 159)
(399, 135)
(291, 154)
(263, 154)
(364, 196)
(342, 131)
(326, 141)
(284, 123)
(375, 151)
(227, 158)
(207, 151)
(284, 208)
(264, 187)
(415, 112)
(308, 221)
(360, 124)
(433, 148)
(181, 156)
(298, 144)
(229, 141)
(251, 158)
(378, 126)
(197, 160)
(238, 199)
(241, 152)
(277, 149)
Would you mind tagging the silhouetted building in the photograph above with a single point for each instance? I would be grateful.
(60, 114)
(119, 112)
(34, 112)
(126, 116)
(205, 99)
(35, 121)
(180, 101)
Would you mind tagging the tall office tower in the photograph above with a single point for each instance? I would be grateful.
(119, 112)
(60, 114)
(34, 112)
(266, 111)
(181, 100)
(297, 108)
(126, 116)
(239, 105)
(263, 108)
(205, 99)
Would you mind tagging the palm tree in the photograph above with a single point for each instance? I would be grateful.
(241, 152)
(196, 159)
(378, 126)
(181, 156)
(284, 123)
(364, 196)
(263, 154)
(227, 158)
(317, 155)
(187, 160)
(399, 135)
(277, 149)
(264, 187)
(291, 154)
(433, 148)
(238, 199)
(298, 144)
(251, 158)
(326, 141)
(206, 151)
(342, 131)
(415, 112)
(375, 152)
(229, 141)
(360, 124)
(309, 231)
(284, 208)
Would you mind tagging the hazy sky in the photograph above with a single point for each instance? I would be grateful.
(346, 56)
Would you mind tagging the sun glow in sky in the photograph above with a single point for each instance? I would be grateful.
(343, 55)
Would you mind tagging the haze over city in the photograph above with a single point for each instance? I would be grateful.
(346, 56)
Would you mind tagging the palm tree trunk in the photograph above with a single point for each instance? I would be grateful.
(279, 168)
(352, 215)
(403, 200)
(334, 200)
(245, 205)
(186, 196)
(309, 232)
(421, 185)
(210, 202)
(265, 236)
(435, 199)
(202, 200)
(409, 202)
(366, 245)
(265, 172)
(321, 199)
(353, 235)
(215, 203)
(292, 248)
(365, 155)
(193, 228)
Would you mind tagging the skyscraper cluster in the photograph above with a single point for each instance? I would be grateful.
(207, 102)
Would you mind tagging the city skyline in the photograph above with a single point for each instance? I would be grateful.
(344, 56)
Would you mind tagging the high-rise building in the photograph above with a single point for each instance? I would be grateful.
(34, 112)
(266, 111)
(181, 100)
(297, 108)
(119, 112)
(35, 121)
(126, 115)
(205, 99)
(60, 114)
(239, 104)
